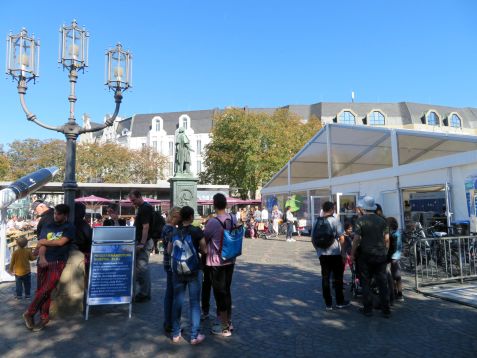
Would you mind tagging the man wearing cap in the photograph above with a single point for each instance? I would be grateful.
(372, 237)
(44, 212)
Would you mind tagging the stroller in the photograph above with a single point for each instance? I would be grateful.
(263, 230)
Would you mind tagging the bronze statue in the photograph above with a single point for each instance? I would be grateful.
(183, 149)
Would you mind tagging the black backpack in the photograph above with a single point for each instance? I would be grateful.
(323, 234)
(158, 223)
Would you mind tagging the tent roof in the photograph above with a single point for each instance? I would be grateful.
(339, 149)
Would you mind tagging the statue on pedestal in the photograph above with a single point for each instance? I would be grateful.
(183, 149)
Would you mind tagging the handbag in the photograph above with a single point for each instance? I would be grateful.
(231, 244)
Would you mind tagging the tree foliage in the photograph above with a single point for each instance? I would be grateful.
(247, 148)
(108, 163)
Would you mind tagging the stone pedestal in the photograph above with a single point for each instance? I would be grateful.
(184, 191)
(67, 297)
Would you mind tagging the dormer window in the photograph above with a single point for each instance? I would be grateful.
(376, 118)
(432, 119)
(124, 132)
(156, 124)
(184, 121)
(455, 121)
(347, 117)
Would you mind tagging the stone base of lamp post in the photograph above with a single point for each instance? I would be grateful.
(68, 297)
(184, 191)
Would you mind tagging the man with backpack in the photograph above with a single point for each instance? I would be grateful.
(184, 249)
(327, 236)
(221, 270)
(372, 238)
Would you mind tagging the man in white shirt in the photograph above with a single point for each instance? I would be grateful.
(265, 216)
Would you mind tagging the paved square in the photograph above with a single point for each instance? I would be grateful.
(278, 312)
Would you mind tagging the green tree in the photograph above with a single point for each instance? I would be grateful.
(4, 166)
(29, 155)
(146, 166)
(247, 148)
(108, 163)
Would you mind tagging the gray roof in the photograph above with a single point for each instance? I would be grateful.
(399, 113)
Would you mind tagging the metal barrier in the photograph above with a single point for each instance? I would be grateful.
(445, 259)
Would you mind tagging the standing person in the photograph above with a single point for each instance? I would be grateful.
(206, 283)
(331, 261)
(276, 215)
(20, 267)
(289, 219)
(98, 220)
(372, 237)
(173, 219)
(54, 246)
(83, 236)
(130, 222)
(244, 216)
(394, 254)
(114, 219)
(192, 280)
(265, 219)
(257, 215)
(44, 212)
(144, 245)
(347, 244)
(221, 271)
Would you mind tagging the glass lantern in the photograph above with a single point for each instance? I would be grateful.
(23, 56)
(73, 46)
(118, 68)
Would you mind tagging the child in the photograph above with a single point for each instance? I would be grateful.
(346, 248)
(20, 267)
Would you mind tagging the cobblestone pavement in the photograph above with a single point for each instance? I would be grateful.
(278, 312)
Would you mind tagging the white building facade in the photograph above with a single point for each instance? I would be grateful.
(157, 130)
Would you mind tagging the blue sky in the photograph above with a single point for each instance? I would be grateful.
(192, 55)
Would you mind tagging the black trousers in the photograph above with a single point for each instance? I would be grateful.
(372, 266)
(221, 283)
(332, 264)
(206, 287)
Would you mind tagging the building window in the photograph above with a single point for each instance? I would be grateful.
(143, 145)
(184, 123)
(376, 118)
(432, 119)
(199, 146)
(158, 125)
(171, 148)
(455, 121)
(199, 166)
(347, 117)
(171, 168)
(154, 145)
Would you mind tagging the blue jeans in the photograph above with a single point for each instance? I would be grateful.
(168, 299)
(23, 282)
(289, 230)
(180, 284)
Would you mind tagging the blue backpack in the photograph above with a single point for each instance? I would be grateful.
(231, 244)
(185, 260)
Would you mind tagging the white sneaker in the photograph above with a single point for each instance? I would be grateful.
(292, 240)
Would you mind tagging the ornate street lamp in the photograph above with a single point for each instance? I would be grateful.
(23, 59)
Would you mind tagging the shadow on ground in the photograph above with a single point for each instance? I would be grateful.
(278, 312)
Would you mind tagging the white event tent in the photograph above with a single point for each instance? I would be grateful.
(414, 175)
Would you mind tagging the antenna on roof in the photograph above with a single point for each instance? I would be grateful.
(352, 96)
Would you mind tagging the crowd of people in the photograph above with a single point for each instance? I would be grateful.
(371, 248)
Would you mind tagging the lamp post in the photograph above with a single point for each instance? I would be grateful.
(23, 60)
